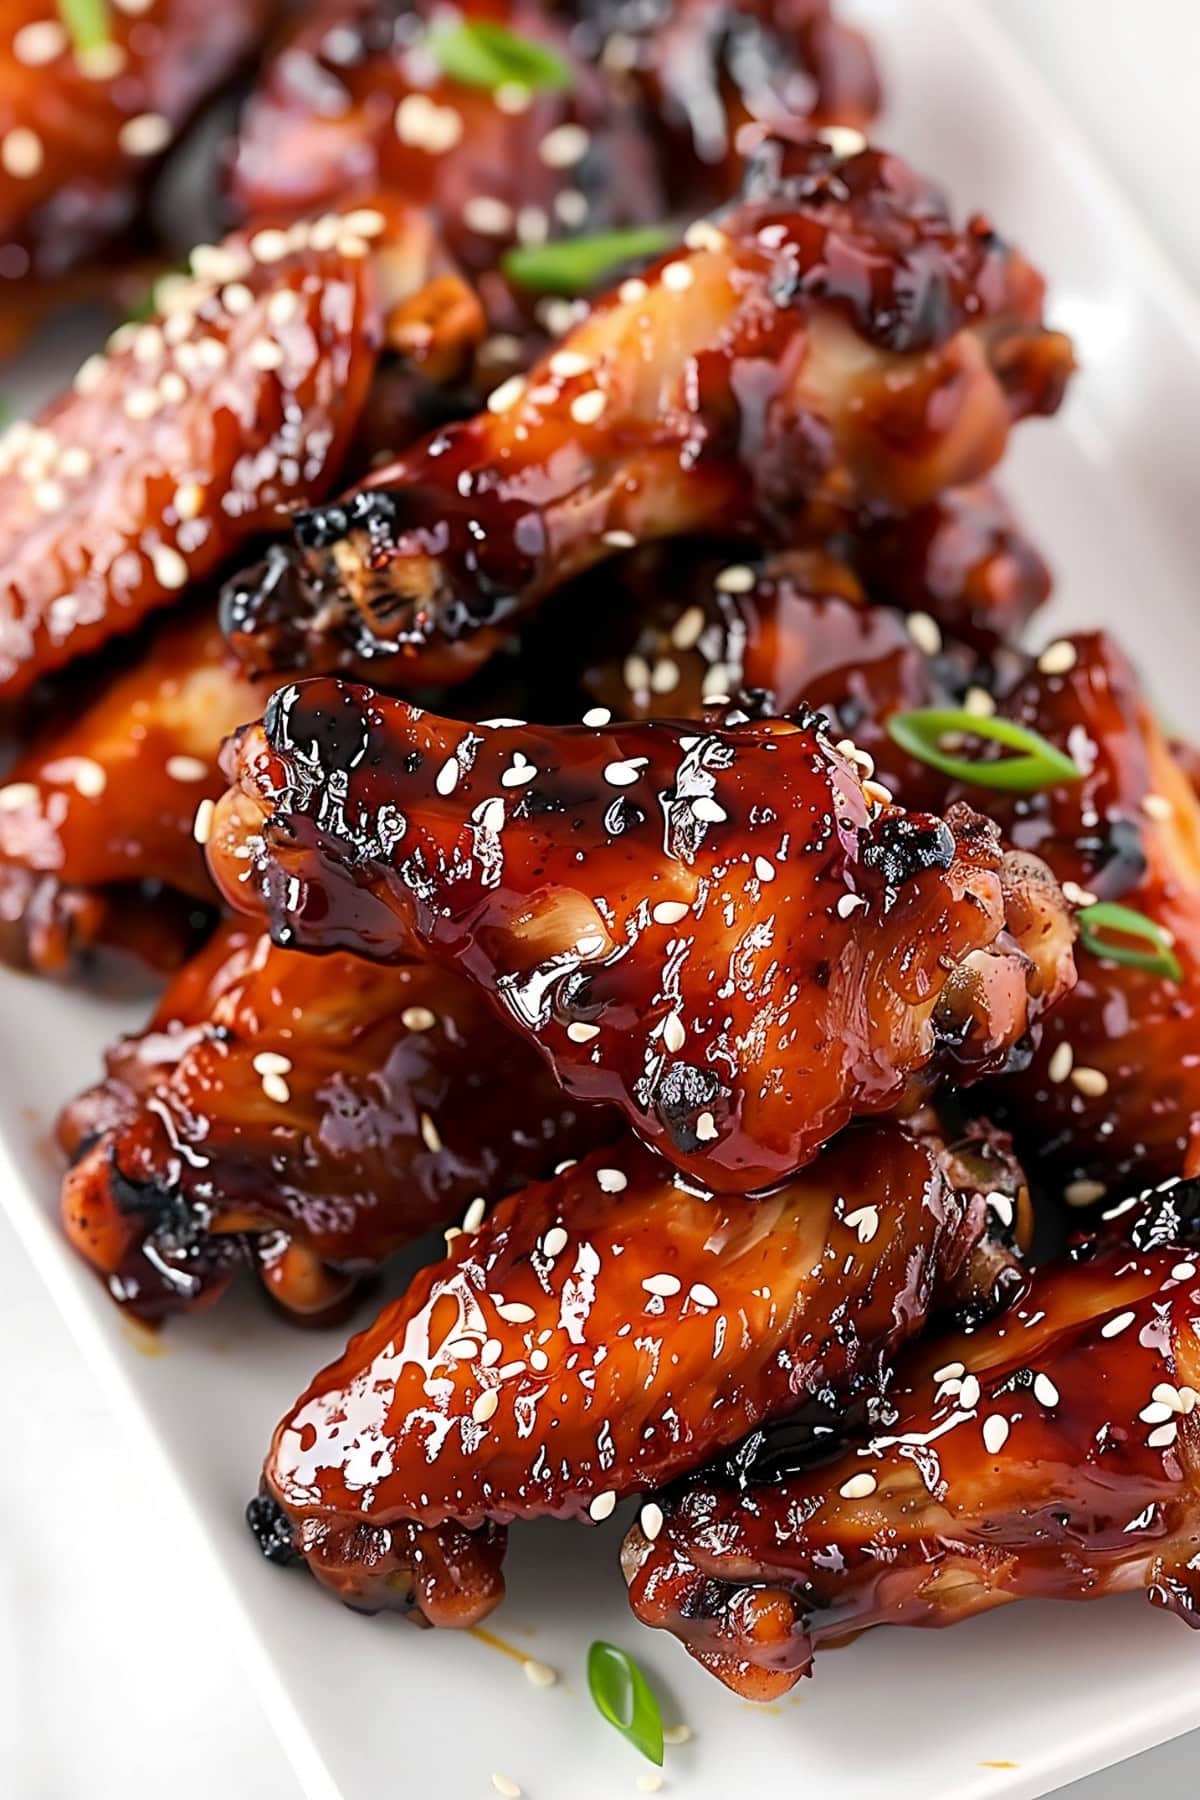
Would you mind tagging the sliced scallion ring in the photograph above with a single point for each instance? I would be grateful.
(1037, 765)
(625, 1698)
(483, 54)
(87, 23)
(1106, 916)
(577, 265)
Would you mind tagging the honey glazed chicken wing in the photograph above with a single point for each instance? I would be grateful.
(720, 930)
(84, 125)
(1049, 1455)
(197, 432)
(833, 340)
(307, 1116)
(614, 1327)
(96, 817)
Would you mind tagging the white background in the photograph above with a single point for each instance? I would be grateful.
(115, 1677)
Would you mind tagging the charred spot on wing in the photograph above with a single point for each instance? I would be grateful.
(900, 846)
(271, 1530)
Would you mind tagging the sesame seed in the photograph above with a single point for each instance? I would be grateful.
(603, 1505)
(849, 903)
(186, 768)
(425, 125)
(670, 912)
(276, 1088)
(865, 1221)
(538, 1360)
(649, 1783)
(1076, 895)
(49, 496)
(571, 206)
(610, 1181)
(1156, 806)
(674, 1036)
(506, 1786)
(366, 221)
(563, 147)
(995, 1433)
(430, 1135)
(462, 1348)
(632, 290)
(678, 277)
(585, 409)
(687, 628)
(664, 1286)
(702, 1294)
(39, 43)
(1058, 658)
(858, 1487)
(1183, 1271)
(739, 578)
(447, 776)
(202, 824)
(90, 374)
(1044, 1391)
(651, 1519)
(1059, 1066)
(707, 809)
(22, 153)
(1166, 1394)
(597, 715)
(493, 1350)
(269, 246)
(1157, 1413)
(1114, 1327)
(488, 216)
(485, 1406)
(677, 1734)
(582, 1033)
(418, 1018)
(539, 1674)
(949, 1372)
(618, 540)
(265, 354)
(1092, 1082)
(146, 135)
(702, 234)
(1163, 1436)
(624, 774)
(706, 1128)
(18, 794)
(515, 1312)
(506, 396)
(170, 569)
(1084, 1193)
(475, 1214)
(877, 794)
(271, 1062)
(763, 869)
(636, 673)
(979, 703)
(513, 97)
(142, 403)
(968, 1393)
(566, 363)
(925, 633)
(555, 1241)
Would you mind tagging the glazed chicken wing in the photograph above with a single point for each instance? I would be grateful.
(719, 930)
(306, 1116)
(832, 340)
(82, 129)
(1051, 1454)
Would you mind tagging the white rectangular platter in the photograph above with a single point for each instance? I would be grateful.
(1012, 1705)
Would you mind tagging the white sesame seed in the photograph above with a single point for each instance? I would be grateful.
(186, 768)
(1163, 1436)
(513, 97)
(582, 1033)
(995, 1433)
(632, 290)
(1044, 1391)
(142, 403)
(597, 715)
(586, 408)
(865, 1221)
(269, 246)
(677, 1734)
(571, 206)
(669, 912)
(650, 1782)
(673, 1034)
(563, 147)
(539, 1674)
(738, 578)
(170, 569)
(475, 1214)
(555, 1241)
(1084, 1193)
(877, 794)
(506, 396)
(90, 374)
(427, 126)
(462, 1349)
(858, 1487)
(430, 1135)
(702, 1294)
(1059, 1066)
(271, 1062)
(702, 234)
(706, 1128)
(949, 1372)
(566, 363)
(202, 824)
(39, 43)
(1166, 1394)
(925, 633)
(17, 795)
(763, 869)
(636, 674)
(1114, 1327)
(708, 809)
(265, 354)
(624, 774)
(488, 216)
(88, 777)
(22, 153)
(1058, 658)
(677, 276)
(276, 1088)
(979, 703)
(651, 1519)
(619, 540)
(485, 1406)
(538, 1360)
(492, 1351)
(418, 1018)
(146, 135)
(1183, 1271)
(447, 776)
(849, 903)
(968, 1393)
(365, 221)
(610, 1181)
(1076, 895)
(1156, 1413)
(1156, 806)
(237, 298)
(1092, 1082)
(505, 1786)
(603, 1505)
(515, 1312)
(664, 1286)
(49, 496)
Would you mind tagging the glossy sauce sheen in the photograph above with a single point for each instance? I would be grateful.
(306, 1116)
(832, 341)
(718, 930)
(613, 1328)
(1049, 1455)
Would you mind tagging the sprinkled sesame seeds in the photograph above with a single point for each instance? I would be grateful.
(843, 140)
(506, 1787)
(566, 363)
(702, 1295)
(623, 774)
(488, 216)
(142, 403)
(271, 1062)
(515, 1312)
(1058, 658)
(650, 1782)
(979, 703)
(673, 1034)
(464, 1348)
(447, 776)
(563, 147)
(1091, 1082)
(418, 1018)
(485, 1406)
(202, 823)
(1076, 895)
(968, 1393)
(865, 1221)
(90, 374)
(21, 153)
(859, 1487)
(677, 1734)
(632, 290)
(585, 409)
(555, 1241)
(663, 1286)
(475, 1214)
(619, 540)
(602, 1506)
(706, 1128)
(39, 43)
(950, 1371)
(849, 903)
(1060, 1064)
(669, 912)
(925, 632)
(1163, 1436)
(186, 768)
(678, 277)
(538, 1360)
(582, 1033)
(506, 396)
(609, 1181)
(170, 569)
(16, 795)
(1083, 1192)
(146, 135)
(597, 715)
(1115, 1326)
(513, 97)
(1044, 1391)
(265, 354)
(430, 1135)
(738, 578)
(423, 124)
(276, 1088)
(763, 869)
(1183, 1271)
(651, 1519)
(539, 1674)
(995, 1433)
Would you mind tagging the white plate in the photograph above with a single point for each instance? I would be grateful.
(1013, 1704)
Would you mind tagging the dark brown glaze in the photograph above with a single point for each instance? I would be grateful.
(1113, 1091)
(666, 911)
(833, 340)
(198, 431)
(305, 1116)
(81, 134)
(1049, 1455)
(612, 1328)
(96, 816)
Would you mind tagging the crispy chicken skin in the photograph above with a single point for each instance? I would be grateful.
(1113, 1091)
(197, 431)
(83, 131)
(96, 816)
(720, 931)
(306, 1116)
(604, 1331)
(832, 341)
(1050, 1454)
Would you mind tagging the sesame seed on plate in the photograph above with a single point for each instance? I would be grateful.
(539, 1674)
(650, 1781)
(506, 1787)
(677, 1734)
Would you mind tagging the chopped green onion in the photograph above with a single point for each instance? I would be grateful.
(482, 54)
(625, 1698)
(87, 22)
(1039, 765)
(577, 265)
(1105, 915)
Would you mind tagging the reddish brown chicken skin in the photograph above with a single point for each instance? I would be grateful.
(599, 1331)
(719, 931)
(1049, 1455)
(833, 341)
(83, 130)
(306, 1116)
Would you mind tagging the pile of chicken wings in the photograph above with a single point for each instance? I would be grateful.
(519, 632)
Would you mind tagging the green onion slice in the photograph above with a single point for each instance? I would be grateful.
(87, 22)
(1039, 764)
(625, 1698)
(482, 54)
(1105, 915)
(577, 265)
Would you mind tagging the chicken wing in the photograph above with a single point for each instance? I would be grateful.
(1048, 1455)
(833, 340)
(721, 931)
(83, 127)
(306, 1116)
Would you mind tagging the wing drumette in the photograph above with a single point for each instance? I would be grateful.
(720, 930)
(833, 340)
(1051, 1454)
(306, 1116)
